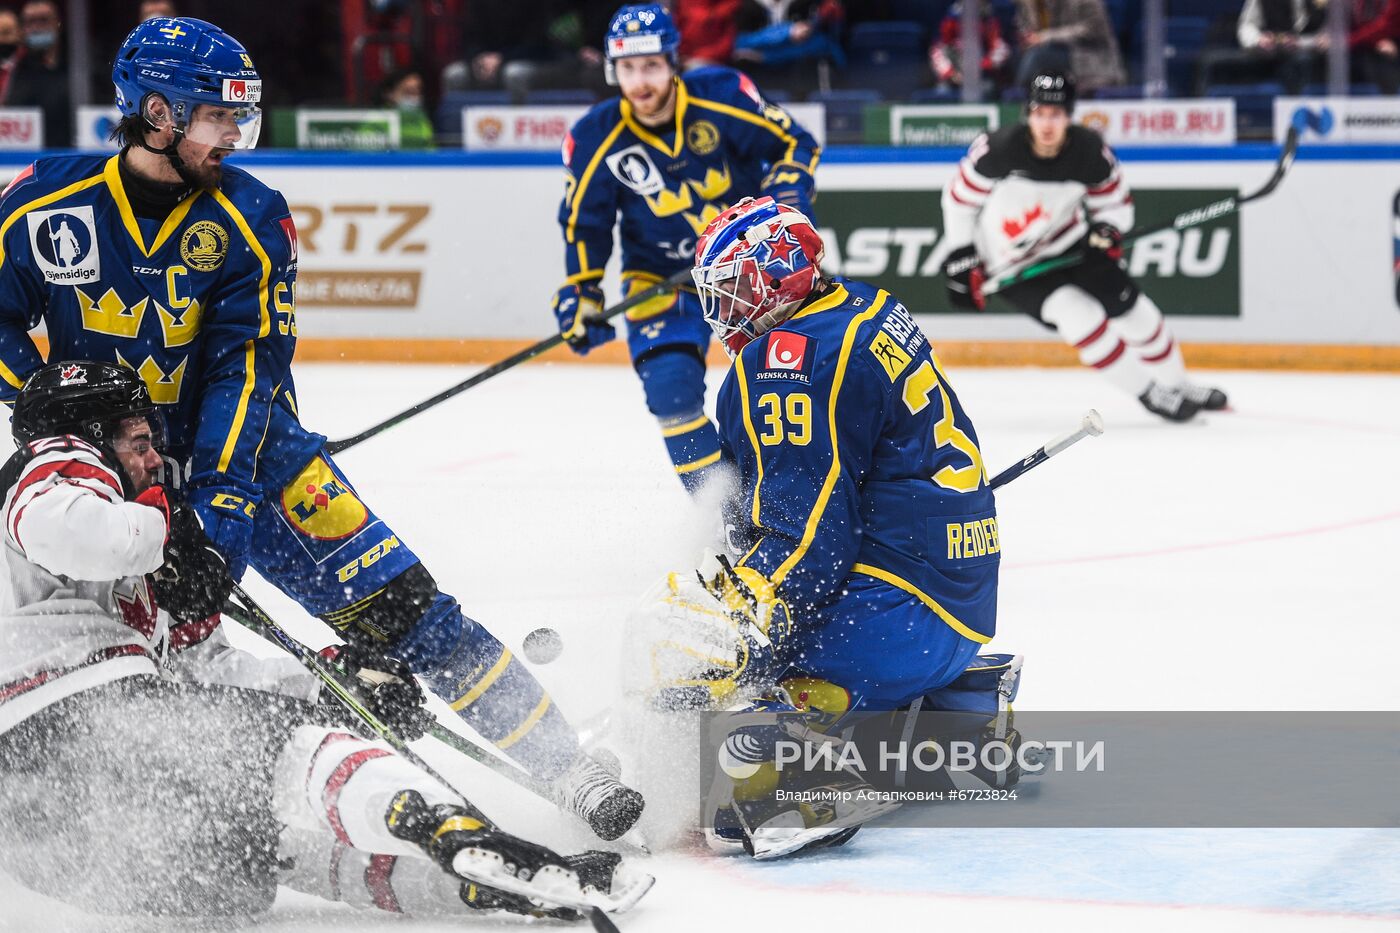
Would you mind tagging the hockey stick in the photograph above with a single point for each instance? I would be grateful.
(252, 616)
(1192, 218)
(279, 636)
(249, 613)
(510, 362)
(1090, 426)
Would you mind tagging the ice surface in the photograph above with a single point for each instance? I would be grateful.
(1243, 562)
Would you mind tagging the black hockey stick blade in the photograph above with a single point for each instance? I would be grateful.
(1194, 217)
(510, 362)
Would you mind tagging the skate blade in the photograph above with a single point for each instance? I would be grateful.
(553, 885)
(780, 836)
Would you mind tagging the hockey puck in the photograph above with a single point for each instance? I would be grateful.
(542, 646)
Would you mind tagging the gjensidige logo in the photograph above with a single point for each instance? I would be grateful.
(65, 245)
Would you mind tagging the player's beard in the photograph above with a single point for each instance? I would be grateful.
(204, 173)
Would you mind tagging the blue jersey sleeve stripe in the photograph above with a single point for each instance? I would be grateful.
(570, 232)
(42, 201)
(834, 473)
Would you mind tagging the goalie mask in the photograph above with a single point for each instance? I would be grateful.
(755, 264)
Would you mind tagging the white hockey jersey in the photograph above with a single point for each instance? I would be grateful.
(1017, 208)
(75, 607)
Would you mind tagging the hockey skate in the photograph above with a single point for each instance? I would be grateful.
(1207, 398)
(1170, 403)
(503, 872)
(594, 793)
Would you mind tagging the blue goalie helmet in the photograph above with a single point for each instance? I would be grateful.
(191, 63)
(641, 29)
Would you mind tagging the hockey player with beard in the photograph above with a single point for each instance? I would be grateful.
(148, 770)
(658, 163)
(167, 258)
(1044, 188)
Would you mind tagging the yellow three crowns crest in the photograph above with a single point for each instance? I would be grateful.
(204, 246)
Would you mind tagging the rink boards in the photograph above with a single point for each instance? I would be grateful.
(450, 256)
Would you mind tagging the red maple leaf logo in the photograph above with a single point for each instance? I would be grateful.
(1014, 228)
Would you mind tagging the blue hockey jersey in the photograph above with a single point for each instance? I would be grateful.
(856, 458)
(726, 143)
(201, 305)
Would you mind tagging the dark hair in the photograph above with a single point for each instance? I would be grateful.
(130, 131)
(392, 80)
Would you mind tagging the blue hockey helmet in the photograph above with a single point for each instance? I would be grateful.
(641, 29)
(190, 62)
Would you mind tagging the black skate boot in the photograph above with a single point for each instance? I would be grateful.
(505, 872)
(1209, 399)
(590, 791)
(1170, 403)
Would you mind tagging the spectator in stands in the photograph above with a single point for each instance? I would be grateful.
(150, 9)
(403, 91)
(41, 77)
(774, 34)
(1068, 35)
(11, 49)
(557, 46)
(1375, 42)
(708, 29)
(945, 55)
(1282, 40)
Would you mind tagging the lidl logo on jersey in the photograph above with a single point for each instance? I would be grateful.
(321, 506)
(788, 356)
(65, 245)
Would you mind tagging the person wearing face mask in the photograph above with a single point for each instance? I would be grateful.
(9, 50)
(40, 79)
(403, 91)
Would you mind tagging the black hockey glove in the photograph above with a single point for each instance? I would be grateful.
(963, 275)
(388, 689)
(194, 581)
(1107, 238)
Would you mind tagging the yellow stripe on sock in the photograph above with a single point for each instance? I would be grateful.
(484, 684)
(535, 716)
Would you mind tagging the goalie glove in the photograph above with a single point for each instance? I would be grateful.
(750, 599)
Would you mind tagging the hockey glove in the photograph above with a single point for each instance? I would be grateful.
(193, 582)
(762, 616)
(791, 184)
(387, 687)
(579, 309)
(1108, 238)
(227, 515)
(963, 275)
